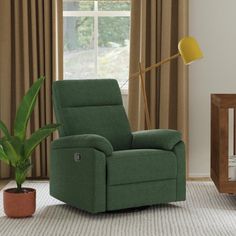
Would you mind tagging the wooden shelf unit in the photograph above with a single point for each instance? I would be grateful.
(220, 105)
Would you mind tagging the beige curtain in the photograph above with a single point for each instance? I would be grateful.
(30, 39)
(156, 27)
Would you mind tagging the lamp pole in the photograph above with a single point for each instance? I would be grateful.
(140, 74)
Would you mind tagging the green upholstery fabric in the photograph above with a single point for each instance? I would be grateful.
(141, 194)
(179, 151)
(81, 93)
(80, 184)
(92, 107)
(119, 135)
(98, 165)
(156, 138)
(84, 141)
(140, 165)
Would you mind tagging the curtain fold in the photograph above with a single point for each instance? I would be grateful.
(156, 28)
(30, 47)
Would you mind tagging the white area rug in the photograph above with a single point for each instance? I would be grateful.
(204, 213)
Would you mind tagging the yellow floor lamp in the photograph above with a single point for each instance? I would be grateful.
(189, 50)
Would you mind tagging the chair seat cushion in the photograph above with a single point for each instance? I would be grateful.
(140, 165)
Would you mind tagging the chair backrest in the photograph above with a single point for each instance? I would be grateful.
(92, 107)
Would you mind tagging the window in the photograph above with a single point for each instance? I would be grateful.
(96, 39)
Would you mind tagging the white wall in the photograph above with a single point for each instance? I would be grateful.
(213, 23)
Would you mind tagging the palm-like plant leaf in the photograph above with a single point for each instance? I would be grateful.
(4, 129)
(3, 155)
(15, 150)
(25, 109)
(11, 153)
(37, 137)
(17, 144)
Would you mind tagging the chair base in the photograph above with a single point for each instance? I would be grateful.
(134, 197)
(141, 194)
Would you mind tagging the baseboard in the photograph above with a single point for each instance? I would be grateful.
(199, 177)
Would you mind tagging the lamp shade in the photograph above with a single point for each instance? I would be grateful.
(189, 50)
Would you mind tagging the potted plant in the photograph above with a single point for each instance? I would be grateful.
(16, 149)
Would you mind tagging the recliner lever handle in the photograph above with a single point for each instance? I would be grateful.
(77, 157)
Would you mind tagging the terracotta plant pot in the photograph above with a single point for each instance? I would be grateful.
(19, 204)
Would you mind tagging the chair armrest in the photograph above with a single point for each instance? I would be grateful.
(79, 182)
(157, 138)
(84, 141)
(179, 151)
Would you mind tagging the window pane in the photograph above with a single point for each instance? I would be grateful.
(113, 51)
(77, 5)
(96, 39)
(121, 5)
(79, 52)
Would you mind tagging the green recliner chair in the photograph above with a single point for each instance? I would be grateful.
(98, 164)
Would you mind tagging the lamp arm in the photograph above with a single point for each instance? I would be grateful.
(156, 65)
(161, 62)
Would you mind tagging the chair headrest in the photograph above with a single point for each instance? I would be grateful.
(76, 93)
